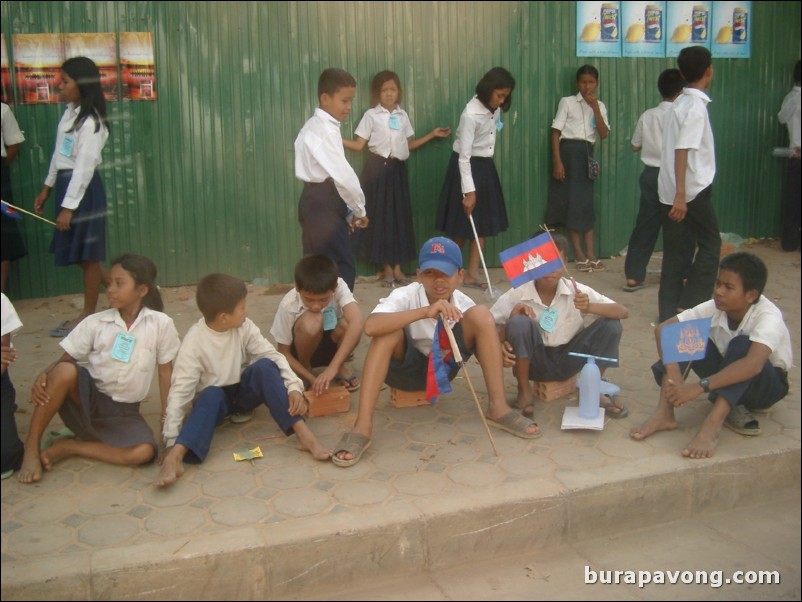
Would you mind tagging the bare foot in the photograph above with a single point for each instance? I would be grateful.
(705, 442)
(31, 469)
(172, 469)
(61, 448)
(657, 422)
(308, 442)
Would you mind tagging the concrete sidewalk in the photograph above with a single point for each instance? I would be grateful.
(428, 495)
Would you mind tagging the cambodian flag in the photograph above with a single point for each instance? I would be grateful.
(531, 260)
(441, 362)
(8, 211)
(684, 341)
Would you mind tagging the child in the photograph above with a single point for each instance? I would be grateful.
(573, 133)
(100, 403)
(746, 364)
(80, 235)
(390, 237)
(687, 169)
(331, 187)
(12, 446)
(541, 321)
(318, 323)
(648, 140)
(790, 115)
(227, 366)
(11, 137)
(403, 325)
(472, 186)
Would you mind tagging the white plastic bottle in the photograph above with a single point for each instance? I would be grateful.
(589, 383)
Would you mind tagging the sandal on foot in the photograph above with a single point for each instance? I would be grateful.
(351, 383)
(584, 266)
(742, 422)
(241, 417)
(612, 409)
(597, 266)
(353, 443)
(631, 288)
(515, 424)
(53, 436)
(403, 281)
(388, 282)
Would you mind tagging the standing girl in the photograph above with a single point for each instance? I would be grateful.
(389, 238)
(11, 137)
(100, 403)
(472, 186)
(573, 133)
(80, 235)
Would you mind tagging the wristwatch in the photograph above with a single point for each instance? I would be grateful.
(705, 384)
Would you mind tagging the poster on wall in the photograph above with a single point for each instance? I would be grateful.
(102, 49)
(643, 24)
(598, 27)
(5, 72)
(688, 24)
(37, 62)
(732, 28)
(137, 66)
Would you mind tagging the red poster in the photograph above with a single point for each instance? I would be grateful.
(5, 72)
(37, 61)
(137, 66)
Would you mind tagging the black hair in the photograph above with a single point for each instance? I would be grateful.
(750, 268)
(332, 79)
(587, 70)
(219, 294)
(87, 77)
(559, 240)
(381, 78)
(670, 83)
(798, 72)
(495, 79)
(316, 274)
(143, 271)
(693, 61)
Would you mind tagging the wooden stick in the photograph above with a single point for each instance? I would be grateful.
(481, 255)
(29, 213)
(458, 357)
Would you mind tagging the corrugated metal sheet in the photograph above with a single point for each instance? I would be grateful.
(202, 180)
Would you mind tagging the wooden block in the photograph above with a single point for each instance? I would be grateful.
(407, 399)
(332, 401)
(553, 389)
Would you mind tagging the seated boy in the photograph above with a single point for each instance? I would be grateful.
(227, 366)
(541, 321)
(402, 326)
(318, 323)
(745, 366)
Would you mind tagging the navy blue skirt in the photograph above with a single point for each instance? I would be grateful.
(86, 238)
(12, 244)
(490, 213)
(390, 235)
(570, 202)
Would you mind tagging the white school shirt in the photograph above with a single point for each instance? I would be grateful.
(83, 156)
(10, 320)
(292, 307)
(790, 115)
(382, 139)
(687, 126)
(570, 321)
(648, 134)
(217, 359)
(9, 132)
(413, 296)
(92, 340)
(476, 137)
(763, 323)
(576, 120)
(320, 155)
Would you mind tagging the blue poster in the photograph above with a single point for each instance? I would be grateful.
(688, 24)
(598, 29)
(732, 30)
(643, 24)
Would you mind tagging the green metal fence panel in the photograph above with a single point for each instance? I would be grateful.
(202, 179)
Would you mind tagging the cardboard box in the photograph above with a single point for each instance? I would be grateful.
(334, 400)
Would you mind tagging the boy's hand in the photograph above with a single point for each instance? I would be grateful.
(9, 357)
(522, 309)
(441, 132)
(507, 354)
(680, 394)
(359, 222)
(442, 306)
(298, 404)
(39, 396)
(582, 302)
(323, 381)
(678, 209)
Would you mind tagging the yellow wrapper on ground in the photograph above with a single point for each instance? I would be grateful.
(256, 452)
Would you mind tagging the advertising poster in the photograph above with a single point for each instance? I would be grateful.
(5, 72)
(102, 49)
(732, 30)
(37, 62)
(643, 24)
(598, 29)
(137, 66)
(688, 24)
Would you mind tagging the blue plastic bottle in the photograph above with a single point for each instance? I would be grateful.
(589, 383)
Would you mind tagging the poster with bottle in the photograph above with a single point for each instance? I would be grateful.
(102, 49)
(5, 72)
(643, 24)
(732, 30)
(37, 62)
(688, 24)
(137, 65)
(598, 29)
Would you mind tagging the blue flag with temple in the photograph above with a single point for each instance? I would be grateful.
(684, 341)
(441, 362)
(531, 260)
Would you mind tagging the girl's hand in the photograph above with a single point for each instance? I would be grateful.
(559, 171)
(591, 99)
(39, 396)
(443, 307)
(298, 404)
(441, 132)
(63, 220)
(507, 354)
(9, 357)
(469, 202)
(39, 202)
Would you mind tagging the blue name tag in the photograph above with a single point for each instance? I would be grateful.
(548, 319)
(394, 123)
(499, 125)
(123, 347)
(67, 145)
(329, 319)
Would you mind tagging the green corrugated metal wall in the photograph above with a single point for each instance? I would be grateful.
(202, 180)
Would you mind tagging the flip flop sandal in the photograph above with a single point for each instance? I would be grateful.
(584, 266)
(353, 443)
(53, 436)
(631, 288)
(742, 422)
(403, 281)
(351, 383)
(62, 330)
(241, 417)
(610, 408)
(597, 266)
(515, 424)
(388, 282)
